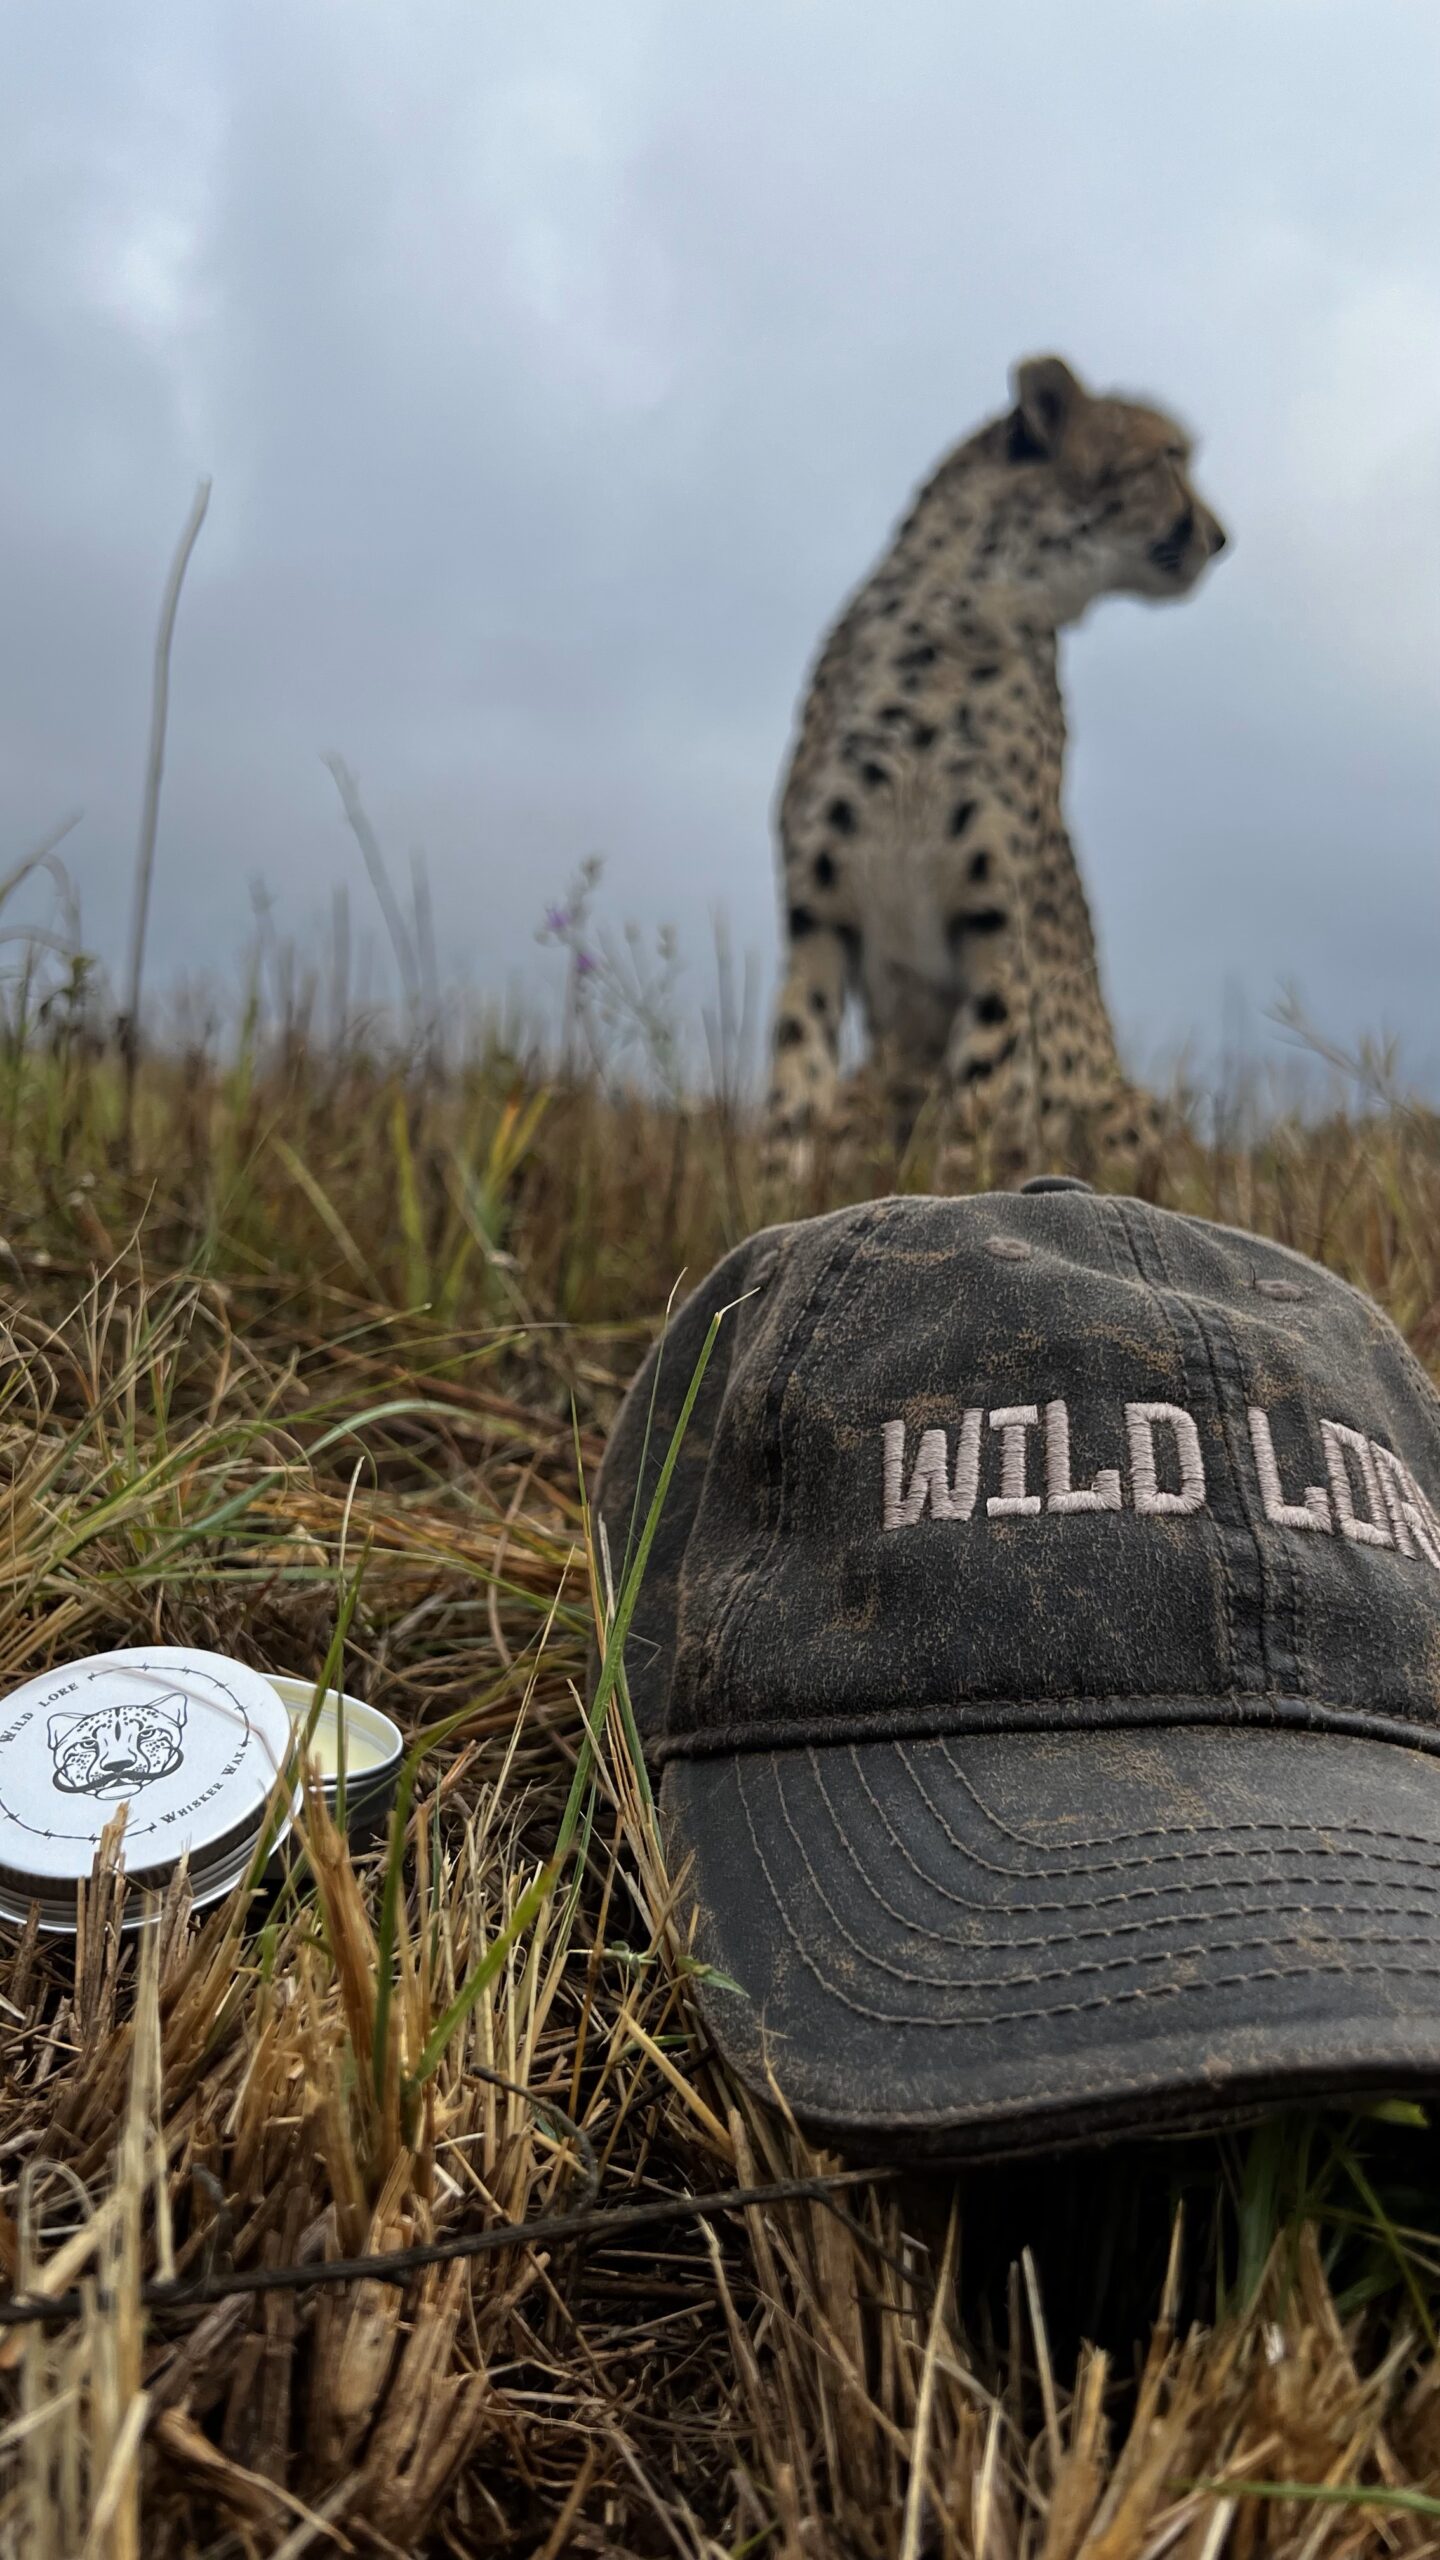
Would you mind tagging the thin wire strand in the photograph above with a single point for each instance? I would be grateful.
(395, 2266)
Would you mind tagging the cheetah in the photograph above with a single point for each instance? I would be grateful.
(927, 867)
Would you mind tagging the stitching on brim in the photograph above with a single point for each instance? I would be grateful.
(1056, 1941)
(1426, 1878)
(1208, 1831)
(1057, 1864)
(1100, 2000)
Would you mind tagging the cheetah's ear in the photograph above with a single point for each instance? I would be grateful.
(1048, 398)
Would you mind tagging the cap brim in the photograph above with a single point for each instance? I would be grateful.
(1008, 1942)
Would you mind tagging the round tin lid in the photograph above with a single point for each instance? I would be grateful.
(192, 1742)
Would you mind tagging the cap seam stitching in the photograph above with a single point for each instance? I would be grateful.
(1280, 1556)
(999, 1717)
(763, 1537)
(1120, 1223)
(1229, 1431)
(1173, 1305)
(730, 1632)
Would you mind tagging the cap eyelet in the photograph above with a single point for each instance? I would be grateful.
(1008, 1248)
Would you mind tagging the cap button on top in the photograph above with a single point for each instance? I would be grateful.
(1056, 1182)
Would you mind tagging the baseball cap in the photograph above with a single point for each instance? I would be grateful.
(1039, 1654)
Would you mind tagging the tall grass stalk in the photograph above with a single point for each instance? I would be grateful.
(150, 803)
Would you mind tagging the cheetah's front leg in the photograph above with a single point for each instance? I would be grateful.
(991, 1075)
(804, 1051)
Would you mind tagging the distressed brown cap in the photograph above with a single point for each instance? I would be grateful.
(1040, 1656)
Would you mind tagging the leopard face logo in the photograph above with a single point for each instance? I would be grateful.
(114, 1751)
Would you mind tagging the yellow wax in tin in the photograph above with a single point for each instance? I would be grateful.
(361, 1750)
(370, 1738)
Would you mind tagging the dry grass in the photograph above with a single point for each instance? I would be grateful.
(304, 1353)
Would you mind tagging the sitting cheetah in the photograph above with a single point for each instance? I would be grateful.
(927, 866)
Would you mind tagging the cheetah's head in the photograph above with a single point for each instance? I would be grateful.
(1102, 502)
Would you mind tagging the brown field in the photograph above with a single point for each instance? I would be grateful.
(330, 1343)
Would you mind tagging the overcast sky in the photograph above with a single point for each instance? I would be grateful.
(560, 367)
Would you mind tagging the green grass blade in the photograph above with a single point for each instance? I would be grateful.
(412, 1230)
(526, 1909)
(1309, 2493)
(629, 1594)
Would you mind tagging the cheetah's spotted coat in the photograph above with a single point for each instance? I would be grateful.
(927, 865)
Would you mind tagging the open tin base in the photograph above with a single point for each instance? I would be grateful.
(371, 1746)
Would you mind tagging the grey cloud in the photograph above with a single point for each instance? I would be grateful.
(560, 370)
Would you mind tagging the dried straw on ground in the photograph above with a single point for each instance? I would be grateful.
(215, 1426)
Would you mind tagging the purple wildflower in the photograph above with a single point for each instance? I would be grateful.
(584, 965)
(557, 919)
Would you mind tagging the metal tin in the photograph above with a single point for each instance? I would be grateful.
(373, 1749)
(191, 1742)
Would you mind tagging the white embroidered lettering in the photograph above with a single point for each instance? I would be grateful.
(1368, 1530)
(1140, 1423)
(894, 1506)
(1312, 1511)
(1101, 1495)
(1373, 1497)
(967, 1464)
(931, 1480)
(1411, 1516)
(930, 1483)
(1012, 1421)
